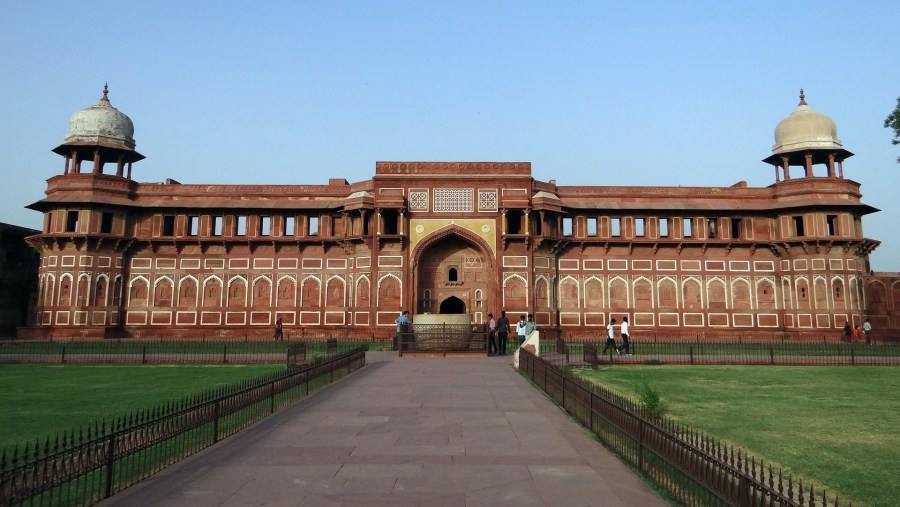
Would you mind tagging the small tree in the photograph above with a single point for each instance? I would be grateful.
(893, 122)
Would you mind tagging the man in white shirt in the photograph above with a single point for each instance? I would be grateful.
(624, 332)
(611, 337)
(521, 329)
(492, 335)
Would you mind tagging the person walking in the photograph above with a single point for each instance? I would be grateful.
(492, 335)
(521, 328)
(848, 331)
(623, 330)
(867, 328)
(402, 323)
(611, 337)
(279, 330)
(502, 332)
(530, 326)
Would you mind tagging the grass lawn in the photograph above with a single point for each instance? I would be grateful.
(835, 426)
(39, 400)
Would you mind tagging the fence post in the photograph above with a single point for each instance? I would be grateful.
(224, 354)
(640, 444)
(272, 397)
(771, 354)
(144, 354)
(691, 350)
(110, 459)
(217, 411)
(852, 356)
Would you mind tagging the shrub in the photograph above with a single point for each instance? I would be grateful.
(649, 398)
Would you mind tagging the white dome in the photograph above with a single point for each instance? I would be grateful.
(805, 129)
(101, 124)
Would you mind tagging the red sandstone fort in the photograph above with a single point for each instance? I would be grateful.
(120, 258)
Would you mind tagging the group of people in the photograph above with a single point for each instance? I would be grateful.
(852, 334)
(498, 332)
(611, 337)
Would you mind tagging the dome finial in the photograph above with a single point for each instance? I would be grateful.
(105, 97)
(802, 98)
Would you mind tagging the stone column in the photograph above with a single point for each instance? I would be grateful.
(785, 162)
(808, 166)
(98, 167)
(402, 223)
(120, 166)
(831, 165)
(527, 215)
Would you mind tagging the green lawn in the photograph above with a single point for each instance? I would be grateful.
(836, 426)
(38, 401)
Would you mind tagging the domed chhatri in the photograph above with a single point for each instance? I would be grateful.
(807, 139)
(805, 129)
(100, 134)
(102, 125)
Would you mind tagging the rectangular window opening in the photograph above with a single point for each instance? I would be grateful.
(193, 225)
(390, 218)
(639, 227)
(168, 225)
(313, 226)
(663, 227)
(106, 221)
(265, 225)
(615, 227)
(567, 226)
(735, 228)
(831, 224)
(217, 225)
(798, 227)
(688, 228)
(289, 226)
(241, 226)
(711, 227)
(72, 221)
(591, 226)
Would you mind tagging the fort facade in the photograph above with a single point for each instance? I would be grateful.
(123, 258)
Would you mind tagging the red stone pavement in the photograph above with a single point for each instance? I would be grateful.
(406, 431)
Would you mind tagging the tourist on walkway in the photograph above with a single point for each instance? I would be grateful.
(402, 323)
(279, 330)
(848, 331)
(521, 329)
(492, 335)
(625, 335)
(502, 332)
(867, 328)
(611, 337)
(530, 326)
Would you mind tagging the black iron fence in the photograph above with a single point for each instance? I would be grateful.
(442, 338)
(695, 468)
(166, 351)
(705, 352)
(84, 467)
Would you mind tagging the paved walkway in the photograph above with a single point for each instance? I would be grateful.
(406, 431)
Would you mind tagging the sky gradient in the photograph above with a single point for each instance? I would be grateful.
(591, 93)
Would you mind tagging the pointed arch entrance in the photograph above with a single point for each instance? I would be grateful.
(454, 274)
(453, 305)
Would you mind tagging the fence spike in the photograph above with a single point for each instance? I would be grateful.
(800, 491)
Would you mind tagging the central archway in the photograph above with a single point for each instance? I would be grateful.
(452, 305)
(454, 274)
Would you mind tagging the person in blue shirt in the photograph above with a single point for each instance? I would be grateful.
(402, 322)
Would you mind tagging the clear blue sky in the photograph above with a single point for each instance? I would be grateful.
(596, 93)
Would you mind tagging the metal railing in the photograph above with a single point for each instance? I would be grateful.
(84, 467)
(167, 351)
(442, 338)
(692, 467)
(705, 352)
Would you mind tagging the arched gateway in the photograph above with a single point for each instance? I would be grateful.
(454, 275)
